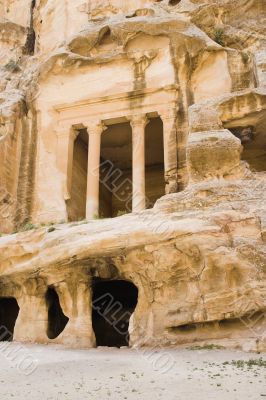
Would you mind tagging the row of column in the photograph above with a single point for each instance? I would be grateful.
(67, 136)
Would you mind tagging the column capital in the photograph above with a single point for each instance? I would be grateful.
(66, 132)
(95, 127)
(74, 133)
(169, 114)
(138, 120)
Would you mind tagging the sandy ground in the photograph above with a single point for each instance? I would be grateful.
(50, 372)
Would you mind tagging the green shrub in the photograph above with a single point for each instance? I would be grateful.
(12, 66)
(250, 363)
(206, 347)
(218, 35)
(28, 227)
(120, 213)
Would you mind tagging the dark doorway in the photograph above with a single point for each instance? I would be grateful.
(56, 318)
(154, 161)
(76, 205)
(9, 310)
(116, 171)
(113, 304)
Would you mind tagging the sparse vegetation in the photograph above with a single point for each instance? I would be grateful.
(250, 363)
(28, 227)
(206, 347)
(96, 216)
(12, 66)
(120, 213)
(218, 36)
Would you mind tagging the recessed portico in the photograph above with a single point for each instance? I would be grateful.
(125, 121)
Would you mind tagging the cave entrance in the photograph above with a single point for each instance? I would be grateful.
(253, 140)
(56, 318)
(9, 310)
(113, 304)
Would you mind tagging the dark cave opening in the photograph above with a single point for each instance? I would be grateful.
(113, 303)
(56, 318)
(9, 310)
(174, 2)
(253, 141)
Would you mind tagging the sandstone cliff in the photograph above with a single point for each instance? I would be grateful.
(198, 255)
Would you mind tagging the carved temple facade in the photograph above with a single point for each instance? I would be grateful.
(93, 118)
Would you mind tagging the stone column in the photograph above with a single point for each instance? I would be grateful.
(65, 145)
(75, 299)
(138, 124)
(32, 321)
(93, 179)
(170, 150)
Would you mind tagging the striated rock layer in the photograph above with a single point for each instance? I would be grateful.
(176, 92)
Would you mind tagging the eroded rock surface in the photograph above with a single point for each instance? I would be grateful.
(110, 107)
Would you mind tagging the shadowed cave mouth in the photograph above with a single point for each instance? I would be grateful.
(56, 318)
(174, 2)
(253, 141)
(9, 310)
(113, 304)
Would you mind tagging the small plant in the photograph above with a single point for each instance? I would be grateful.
(120, 213)
(28, 227)
(206, 347)
(12, 66)
(218, 35)
(96, 216)
(43, 224)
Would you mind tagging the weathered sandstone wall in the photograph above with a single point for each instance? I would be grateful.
(196, 70)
